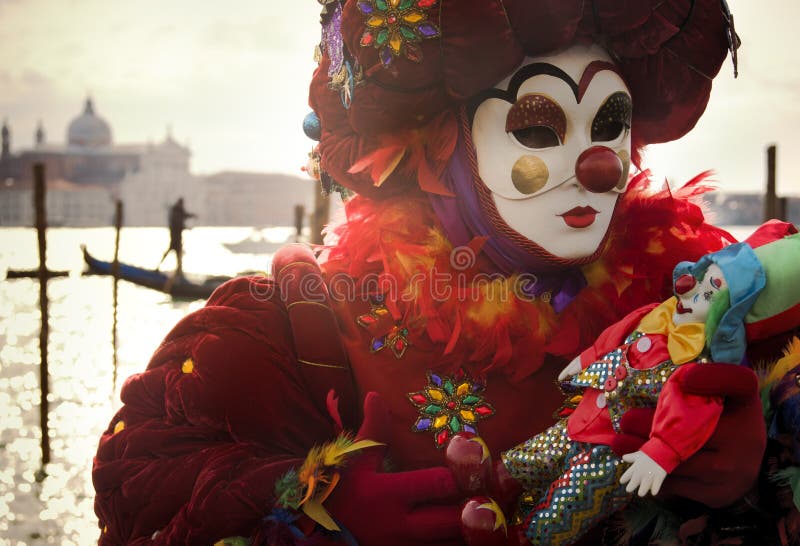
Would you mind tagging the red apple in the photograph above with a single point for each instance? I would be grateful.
(468, 457)
(483, 523)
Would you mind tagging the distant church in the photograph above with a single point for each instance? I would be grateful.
(87, 173)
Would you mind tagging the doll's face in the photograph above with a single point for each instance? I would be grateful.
(694, 297)
(553, 146)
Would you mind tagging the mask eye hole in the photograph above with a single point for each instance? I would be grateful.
(613, 119)
(536, 137)
(608, 132)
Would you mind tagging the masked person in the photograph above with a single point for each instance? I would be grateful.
(496, 231)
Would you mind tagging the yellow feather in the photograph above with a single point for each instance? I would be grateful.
(315, 511)
(790, 359)
(333, 454)
(390, 169)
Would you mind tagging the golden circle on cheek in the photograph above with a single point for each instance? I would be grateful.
(625, 157)
(529, 174)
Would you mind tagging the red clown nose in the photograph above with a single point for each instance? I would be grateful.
(598, 169)
(684, 283)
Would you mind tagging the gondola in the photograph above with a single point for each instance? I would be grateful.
(181, 287)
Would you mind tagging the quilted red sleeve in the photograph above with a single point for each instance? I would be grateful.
(682, 424)
(219, 414)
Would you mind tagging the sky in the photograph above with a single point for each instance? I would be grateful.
(231, 81)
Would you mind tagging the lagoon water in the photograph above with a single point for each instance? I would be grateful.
(57, 507)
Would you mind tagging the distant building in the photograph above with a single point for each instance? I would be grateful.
(255, 199)
(88, 157)
(163, 176)
(90, 171)
(67, 204)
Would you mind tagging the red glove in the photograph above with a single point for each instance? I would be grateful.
(394, 509)
(727, 467)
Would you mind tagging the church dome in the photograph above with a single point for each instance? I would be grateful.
(89, 129)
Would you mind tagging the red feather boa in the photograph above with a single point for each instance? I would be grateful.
(401, 238)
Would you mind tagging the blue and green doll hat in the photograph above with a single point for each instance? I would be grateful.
(762, 298)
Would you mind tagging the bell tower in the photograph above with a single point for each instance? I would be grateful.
(40, 136)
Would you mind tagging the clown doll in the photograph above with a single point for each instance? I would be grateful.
(570, 477)
(569, 470)
(499, 225)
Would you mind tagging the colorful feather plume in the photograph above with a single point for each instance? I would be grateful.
(780, 396)
(401, 238)
(423, 152)
(308, 487)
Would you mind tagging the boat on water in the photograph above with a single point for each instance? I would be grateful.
(264, 240)
(182, 287)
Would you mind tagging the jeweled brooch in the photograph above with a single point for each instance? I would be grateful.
(449, 405)
(395, 27)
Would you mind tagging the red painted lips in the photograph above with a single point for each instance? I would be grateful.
(579, 217)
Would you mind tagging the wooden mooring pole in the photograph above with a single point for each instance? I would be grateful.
(299, 220)
(319, 218)
(115, 272)
(774, 206)
(39, 194)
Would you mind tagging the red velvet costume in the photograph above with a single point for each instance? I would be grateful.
(233, 398)
(683, 423)
(238, 393)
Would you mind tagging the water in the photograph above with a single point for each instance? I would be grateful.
(59, 508)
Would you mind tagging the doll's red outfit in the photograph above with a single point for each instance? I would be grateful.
(682, 423)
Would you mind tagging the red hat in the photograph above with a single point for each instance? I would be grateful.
(395, 71)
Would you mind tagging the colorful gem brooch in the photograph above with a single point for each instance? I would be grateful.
(449, 405)
(376, 321)
(396, 26)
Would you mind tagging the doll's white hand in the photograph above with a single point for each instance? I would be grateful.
(571, 369)
(644, 473)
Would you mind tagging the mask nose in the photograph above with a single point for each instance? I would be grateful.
(684, 283)
(598, 169)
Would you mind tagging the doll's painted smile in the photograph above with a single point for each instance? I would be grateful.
(579, 217)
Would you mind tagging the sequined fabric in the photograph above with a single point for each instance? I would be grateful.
(624, 387)
(538, 461)
(586, 492)
(332, 41)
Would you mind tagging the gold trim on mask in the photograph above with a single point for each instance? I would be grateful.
(625, 157)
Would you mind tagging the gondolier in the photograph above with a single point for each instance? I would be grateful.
(177, 222)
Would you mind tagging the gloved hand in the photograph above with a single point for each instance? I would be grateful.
(644, 474)
(394, 509)
(723, 470)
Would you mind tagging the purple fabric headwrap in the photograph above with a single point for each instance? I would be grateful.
(463, 219)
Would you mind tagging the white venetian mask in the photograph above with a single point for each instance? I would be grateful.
(553, 146)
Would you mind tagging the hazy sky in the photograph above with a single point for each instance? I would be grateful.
(231, 79)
